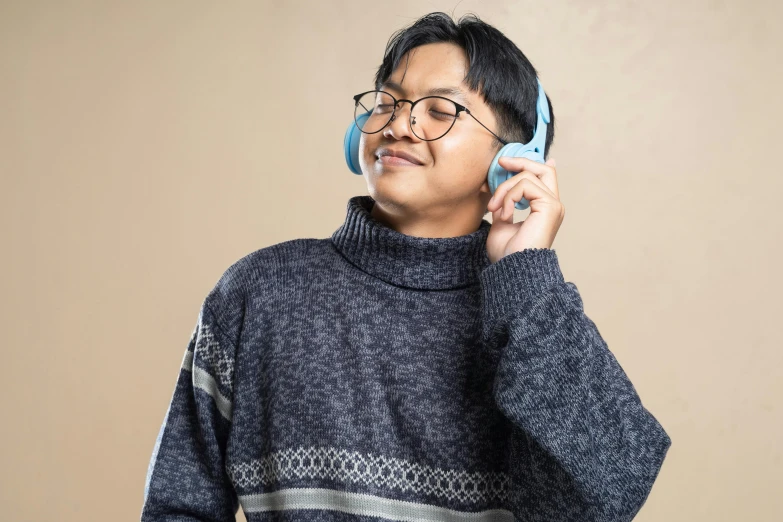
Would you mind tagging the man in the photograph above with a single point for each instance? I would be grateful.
(421, 363)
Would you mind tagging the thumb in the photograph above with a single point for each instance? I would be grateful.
(551, 162)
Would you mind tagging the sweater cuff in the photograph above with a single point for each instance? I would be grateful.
(517, 278)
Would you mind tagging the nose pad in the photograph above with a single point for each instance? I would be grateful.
(412, 118)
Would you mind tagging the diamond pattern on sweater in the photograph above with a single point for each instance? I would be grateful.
(369, 469)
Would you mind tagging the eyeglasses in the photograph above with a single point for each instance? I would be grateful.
(430, 119)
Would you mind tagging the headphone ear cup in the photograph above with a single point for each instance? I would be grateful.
(497, 174)
(351, 144)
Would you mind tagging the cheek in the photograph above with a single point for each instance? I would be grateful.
(461, 159)
(367, 145)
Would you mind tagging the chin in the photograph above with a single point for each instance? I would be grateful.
(397, 196)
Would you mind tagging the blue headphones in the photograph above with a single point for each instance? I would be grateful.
(533, 150)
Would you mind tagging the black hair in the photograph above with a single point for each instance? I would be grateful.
(498, 70)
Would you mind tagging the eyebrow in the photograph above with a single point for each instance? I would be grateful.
(435, 91)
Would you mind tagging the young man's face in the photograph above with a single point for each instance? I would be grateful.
(452, 179)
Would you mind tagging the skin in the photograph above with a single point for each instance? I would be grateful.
(449, 194)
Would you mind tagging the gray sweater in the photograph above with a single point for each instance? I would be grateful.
(374, 376)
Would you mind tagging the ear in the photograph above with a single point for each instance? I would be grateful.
(485, 186)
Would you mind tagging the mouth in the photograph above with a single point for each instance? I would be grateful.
(396, 158)
(396, 161)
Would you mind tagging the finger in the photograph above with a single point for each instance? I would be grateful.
(519, 163)
(496, 214)
(526, 188)
(544, 171)
(497, 197)
(503, 188)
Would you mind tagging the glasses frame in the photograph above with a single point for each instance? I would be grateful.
(459, 106)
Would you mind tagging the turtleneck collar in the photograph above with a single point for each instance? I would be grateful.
(410, 261)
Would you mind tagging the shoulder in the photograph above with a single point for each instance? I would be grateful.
(266, 264)
(259, 273)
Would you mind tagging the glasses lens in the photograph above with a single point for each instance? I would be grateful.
(432, 118)
(373, 111)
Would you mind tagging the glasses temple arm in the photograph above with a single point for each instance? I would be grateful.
(501, 140)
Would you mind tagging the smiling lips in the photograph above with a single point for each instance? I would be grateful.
(393, 160)
(397, 157)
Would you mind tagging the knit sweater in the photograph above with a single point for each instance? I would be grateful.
(375, 376)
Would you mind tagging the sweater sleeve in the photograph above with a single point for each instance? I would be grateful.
(186, 478)
(583, 447)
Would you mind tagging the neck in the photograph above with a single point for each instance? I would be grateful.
(436, 224)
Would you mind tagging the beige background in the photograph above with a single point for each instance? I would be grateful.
(146, 146)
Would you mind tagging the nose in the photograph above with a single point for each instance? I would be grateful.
(399, 125)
